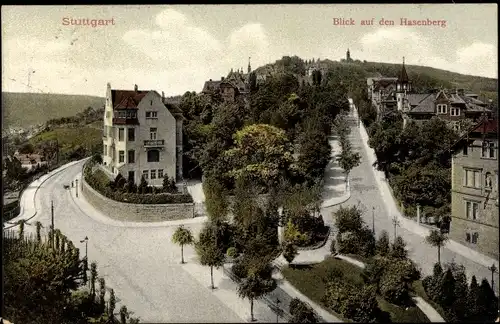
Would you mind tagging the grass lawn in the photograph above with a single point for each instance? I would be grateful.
(69, 138)
(309, 281)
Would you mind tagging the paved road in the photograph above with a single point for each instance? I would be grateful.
(141, 264)
(366, 194)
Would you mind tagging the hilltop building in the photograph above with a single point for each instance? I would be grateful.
(474, 195)
(142, 135)
(348, 56)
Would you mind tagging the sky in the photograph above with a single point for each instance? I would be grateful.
(176, 48)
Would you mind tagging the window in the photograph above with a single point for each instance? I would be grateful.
(105, 150)
(151, 114)
(442, 109)
(153, 156)
(160, 173)
(454, 111)
(467, 237)
(131, 175)
(465, 150)
(121, 132)
(151, 103)
(121, 156)
(108, 114)
(131, 156)
(152, 133)
(145, 174)
(472, 209)
(488, 182)
(475, 236)
(153, 174)
(472, 178)
(131, 134)
(488, 150)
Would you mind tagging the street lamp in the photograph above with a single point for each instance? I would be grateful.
(395, 222)
(76, 188)
(373, 220)
(493, 269)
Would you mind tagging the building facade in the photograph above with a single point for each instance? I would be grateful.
(142, 136)
(474, 196)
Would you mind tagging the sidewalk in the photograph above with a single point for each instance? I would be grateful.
(408, 223)
(28, 202)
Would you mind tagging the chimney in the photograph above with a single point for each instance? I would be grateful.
(210, 80)
(136, 88)
(162, 96)
(222, 78)
(109, 85)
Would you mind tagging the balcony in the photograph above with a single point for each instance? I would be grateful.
(154, 143)
(125, 121)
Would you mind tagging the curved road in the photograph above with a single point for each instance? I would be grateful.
(141, 264)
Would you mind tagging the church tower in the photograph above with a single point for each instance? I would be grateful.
(249, 67)
(403, 86)
(348, 56)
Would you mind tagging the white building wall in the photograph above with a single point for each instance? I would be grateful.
(107, 126)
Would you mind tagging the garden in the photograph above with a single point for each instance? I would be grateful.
(125, 190)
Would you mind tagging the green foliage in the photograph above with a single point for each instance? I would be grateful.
(293, 235)
(289, 251)
(353, 237)
(210, 250)
(301, 312)
(216, 200)
(437, 239)
(182, 236)
(99, 182)
(169, 185)
(333, 248)
(348, 219)
(398, 249)
(383, 245)
(97, 158)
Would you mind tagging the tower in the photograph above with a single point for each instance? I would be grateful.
(249, 67)
(348, 56)
(403, 86)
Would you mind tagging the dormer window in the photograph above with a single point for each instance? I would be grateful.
(454, 111)
(442, 108)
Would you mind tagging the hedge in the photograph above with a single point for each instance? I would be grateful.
(95, 180)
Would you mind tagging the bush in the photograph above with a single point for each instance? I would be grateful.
(398, 250)
(383, 244)
(302, 312)
(289, 251)
(394, 289)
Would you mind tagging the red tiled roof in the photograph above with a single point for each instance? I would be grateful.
(126, 99)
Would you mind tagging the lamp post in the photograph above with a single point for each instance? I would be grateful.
(373, 220)
(395, 222)
(493, 269)
(76, 181)
(52, 221)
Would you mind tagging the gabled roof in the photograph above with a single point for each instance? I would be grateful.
(421, 103)
(403, 76)
(126, 99)
(210, 86)
(484, 126)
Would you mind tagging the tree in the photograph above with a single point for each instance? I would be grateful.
(348, 160)
(123, 315)
(261, 152)
(143, 186)
(39, 226)
(131, 187)
(348, 219)
(21, 224)
(112, 304)
(447, 293)
(488, 302)
(437, 239)
(383, 245)
(210, 251)
(169, 185)
(182, 236)
(333, 249)
(301, 312)
(27, 149)
(93, 279)
(102, 294)
(256, 284)
(473, 300)
(398, 250)
(289, 251)
(97, 158)
(216, 201)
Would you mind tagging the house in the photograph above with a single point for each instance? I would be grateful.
(474, 195)
(235, 85)
(452, 105)
(142, 135)
(30, 161)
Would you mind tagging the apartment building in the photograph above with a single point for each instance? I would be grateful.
(474, 196)
(142, 135)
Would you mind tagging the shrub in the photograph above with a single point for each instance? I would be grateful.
(289, 251)
(398, 250)
(348, 219)
(394, 289)
(232, 252)
(302, 312)
(374, 270)
(383, 245)
(333, 249)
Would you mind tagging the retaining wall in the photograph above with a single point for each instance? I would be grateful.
(136, 212)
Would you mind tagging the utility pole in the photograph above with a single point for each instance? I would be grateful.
(373, 220)
(76, 186)
(52, 219)
(395, 222)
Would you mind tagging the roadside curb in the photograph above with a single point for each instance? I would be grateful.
(49, 175)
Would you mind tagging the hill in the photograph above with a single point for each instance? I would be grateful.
(423, 77)
(27, 109)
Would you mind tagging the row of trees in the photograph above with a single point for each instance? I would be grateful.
(45, 282)
(416, 160)
(348, 159)
(460, 301)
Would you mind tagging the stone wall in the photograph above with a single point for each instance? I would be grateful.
(136, 212)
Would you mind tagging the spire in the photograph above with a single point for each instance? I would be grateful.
(403, 76)
(249, 67)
